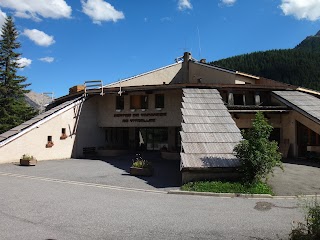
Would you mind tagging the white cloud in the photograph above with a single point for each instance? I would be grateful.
(35, 9)
(302, 9)
(99, 10)
(184, 4)
(2, 17)
(228, 2)
(166, 19)
(24, 62)
(39, 37)
(47, 59)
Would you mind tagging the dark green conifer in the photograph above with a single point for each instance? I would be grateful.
(13, 108)
(298, 66)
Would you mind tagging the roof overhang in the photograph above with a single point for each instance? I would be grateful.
(296, 108)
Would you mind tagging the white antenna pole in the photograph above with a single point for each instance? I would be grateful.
(120, 91)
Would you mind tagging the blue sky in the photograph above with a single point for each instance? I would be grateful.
(67, 42)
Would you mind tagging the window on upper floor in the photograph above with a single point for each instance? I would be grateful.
(238, 99)
(120, 102)
(159, 101)
(139, 101)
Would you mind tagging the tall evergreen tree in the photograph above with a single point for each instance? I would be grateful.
(13, 108)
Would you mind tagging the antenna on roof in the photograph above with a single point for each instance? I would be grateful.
(199, 42)
(120, 91)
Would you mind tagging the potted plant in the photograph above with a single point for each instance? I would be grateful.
(141, 167)
(28, 160)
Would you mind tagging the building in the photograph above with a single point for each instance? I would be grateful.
(188, 110)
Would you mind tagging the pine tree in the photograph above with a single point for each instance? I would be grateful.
(13, 108)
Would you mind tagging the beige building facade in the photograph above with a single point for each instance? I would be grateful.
(151, 111)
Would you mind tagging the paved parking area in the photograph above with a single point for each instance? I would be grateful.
(298, 178)
(108, 171)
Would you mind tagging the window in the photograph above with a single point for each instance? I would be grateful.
(144, 101)
(159, 101)
(49, 143)
(120, 102)
(63, 134)
(238, 99)
(139, 101)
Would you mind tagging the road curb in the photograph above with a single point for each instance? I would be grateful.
(238, 195)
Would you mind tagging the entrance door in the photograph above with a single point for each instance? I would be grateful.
(152, 138)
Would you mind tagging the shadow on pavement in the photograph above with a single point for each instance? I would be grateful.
(166, 172)
(303, 161)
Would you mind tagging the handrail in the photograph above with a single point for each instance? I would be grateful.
(92, 86)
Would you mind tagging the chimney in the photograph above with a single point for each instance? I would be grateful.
(75, 89)
(186, 56)
(185, 67)
(203, 60)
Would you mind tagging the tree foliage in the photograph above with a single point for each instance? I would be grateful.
(13, 108)
(258, 156)
(298, 66)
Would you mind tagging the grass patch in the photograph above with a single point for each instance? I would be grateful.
(228, 187)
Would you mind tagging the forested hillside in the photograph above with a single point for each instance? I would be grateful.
(299, 66)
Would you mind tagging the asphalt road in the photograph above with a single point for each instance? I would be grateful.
(45, 208)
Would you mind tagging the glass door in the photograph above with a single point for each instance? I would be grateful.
(152, 138)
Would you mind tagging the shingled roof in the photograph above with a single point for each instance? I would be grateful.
(209, 133)
(304, 103)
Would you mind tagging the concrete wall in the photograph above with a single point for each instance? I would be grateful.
(159, 76)
(109, 117)
(283, 121)
(244, 120)
(290, 128)
(245, 79)
(88, 133)
(34, 142)
(85, 134)
(209, 74)
(209, 174)
(287, 122)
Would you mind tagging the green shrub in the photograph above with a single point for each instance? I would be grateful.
(139, 162)
(27, 157)
(258, 156)
(310, 230)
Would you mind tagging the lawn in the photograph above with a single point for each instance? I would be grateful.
(228, 187)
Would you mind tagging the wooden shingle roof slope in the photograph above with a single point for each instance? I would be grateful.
(209, 133)
(304, 103)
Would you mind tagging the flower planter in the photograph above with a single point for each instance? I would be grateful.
(28, 162)
(141, 171)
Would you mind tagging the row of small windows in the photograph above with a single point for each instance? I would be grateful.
(62, 137)
(140, 101)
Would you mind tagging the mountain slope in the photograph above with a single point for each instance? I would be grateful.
(311, 43)
(37, 100)
(299, 66)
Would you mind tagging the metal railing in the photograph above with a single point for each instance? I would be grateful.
(93, 87)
